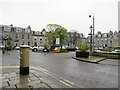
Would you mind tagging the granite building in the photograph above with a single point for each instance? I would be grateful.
(75, 38)
(39, 38)
(16, 35)
(105, 40)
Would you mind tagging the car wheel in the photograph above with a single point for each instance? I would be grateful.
(35, 50)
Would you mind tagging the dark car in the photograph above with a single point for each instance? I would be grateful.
(71, 48)
(3, 49)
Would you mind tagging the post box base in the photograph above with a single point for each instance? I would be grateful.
(24, 70)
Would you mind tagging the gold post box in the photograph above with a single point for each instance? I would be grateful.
(24, 59)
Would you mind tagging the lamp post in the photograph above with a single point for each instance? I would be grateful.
(91, 38)
(92, 15)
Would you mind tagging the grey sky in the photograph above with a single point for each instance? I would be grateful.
(71, 14)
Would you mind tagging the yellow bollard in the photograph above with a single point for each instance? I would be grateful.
(24, 59)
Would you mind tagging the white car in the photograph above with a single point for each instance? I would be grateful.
(17, 48)
(37, 48)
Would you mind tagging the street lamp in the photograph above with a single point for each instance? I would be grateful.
(91, 38)
(92, 15)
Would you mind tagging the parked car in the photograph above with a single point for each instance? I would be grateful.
(37, 48)
(116, 49)
(31, 48)
(71, 48)
(1, 47)
(17, 48)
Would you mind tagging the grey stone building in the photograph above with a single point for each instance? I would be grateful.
(17, 35)
(75, 38)
(39, 38)
(105, 40)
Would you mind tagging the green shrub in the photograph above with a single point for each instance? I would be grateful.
(64, 50)
(109, 56)
(83, 47)
(9, 47)
(46, 45)
(107, 49)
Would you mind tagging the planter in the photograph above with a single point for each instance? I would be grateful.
(82, 54)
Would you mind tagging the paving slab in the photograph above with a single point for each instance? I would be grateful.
(5, 84)
(5, 79)
(41, 85)
(13, 86)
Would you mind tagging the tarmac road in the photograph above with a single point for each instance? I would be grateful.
(78, 73)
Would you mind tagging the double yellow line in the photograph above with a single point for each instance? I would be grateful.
(65, 82)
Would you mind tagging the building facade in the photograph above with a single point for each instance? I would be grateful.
(17, 35)
(39, 38)
(75, 38)
(105, 40)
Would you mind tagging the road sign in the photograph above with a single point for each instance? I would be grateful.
(65, 38)
(57, 40)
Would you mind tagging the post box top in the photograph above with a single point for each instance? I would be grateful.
(24, 46)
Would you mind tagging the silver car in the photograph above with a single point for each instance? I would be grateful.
(37, 48)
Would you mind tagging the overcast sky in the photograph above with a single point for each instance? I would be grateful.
(71, 14)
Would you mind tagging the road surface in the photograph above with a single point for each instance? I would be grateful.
(61, 65)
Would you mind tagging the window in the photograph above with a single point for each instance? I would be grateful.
(16, 44)
(16, 36)
(105, 35)
(99, 35)
(7, 29)
(18, 29)
(22, 36)
(35, 39)
(110, 41)
(28, 36)
(40, 40)
(28, 43)
(12, 29)
(22, 43)
(23, 30)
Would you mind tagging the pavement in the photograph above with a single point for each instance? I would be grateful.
(32, 80)
(37, 78)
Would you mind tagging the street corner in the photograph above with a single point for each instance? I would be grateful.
(15, 80)
(37, 78)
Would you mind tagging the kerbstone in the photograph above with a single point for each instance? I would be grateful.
(5, 84)
(34, 82)
(13, 86)
(41, 85)
(14, 82)
(22, 85)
